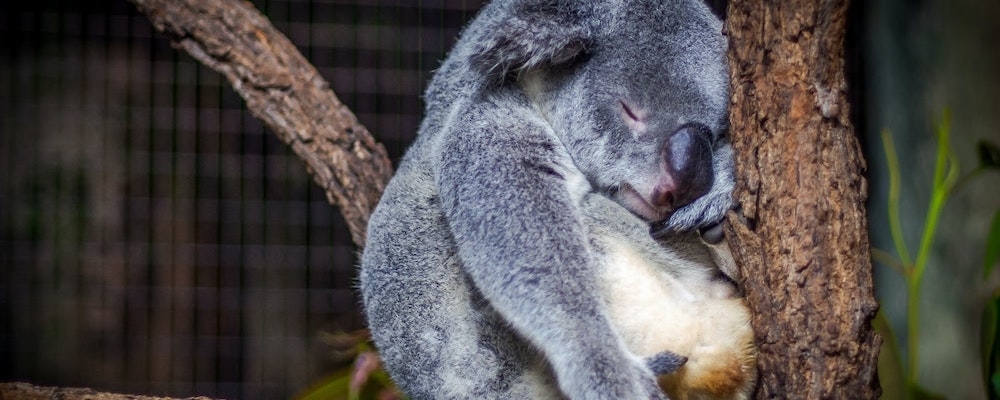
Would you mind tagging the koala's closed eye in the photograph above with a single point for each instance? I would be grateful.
(634, 117)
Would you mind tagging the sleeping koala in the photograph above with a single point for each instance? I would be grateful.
(502, 258)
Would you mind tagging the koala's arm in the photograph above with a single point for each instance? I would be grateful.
(507, 190)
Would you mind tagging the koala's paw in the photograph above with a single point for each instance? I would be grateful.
(706, 212)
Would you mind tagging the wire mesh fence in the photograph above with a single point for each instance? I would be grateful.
(154, 237)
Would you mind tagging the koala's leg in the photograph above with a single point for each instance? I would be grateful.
(509, 192)
(434, 341)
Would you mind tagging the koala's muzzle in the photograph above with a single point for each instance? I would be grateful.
(687, 164)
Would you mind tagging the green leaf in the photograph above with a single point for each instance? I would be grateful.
(992, 246)
(989, 154)
(989, 335)
(895, 224)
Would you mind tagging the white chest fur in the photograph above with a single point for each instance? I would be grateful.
(657, 305)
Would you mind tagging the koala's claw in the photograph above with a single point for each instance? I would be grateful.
(666, 362)
(705, 214)
(688, 220)
(713, 234)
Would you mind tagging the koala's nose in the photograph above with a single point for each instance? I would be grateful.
(687, 165)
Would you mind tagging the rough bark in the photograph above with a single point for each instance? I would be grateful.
(285, 91)
(24, 391)
(802, 239)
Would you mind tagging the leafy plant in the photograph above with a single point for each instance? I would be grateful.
(947, 181)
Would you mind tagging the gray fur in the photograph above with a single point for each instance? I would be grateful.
(479, 273)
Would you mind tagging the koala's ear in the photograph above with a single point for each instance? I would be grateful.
(533, 36)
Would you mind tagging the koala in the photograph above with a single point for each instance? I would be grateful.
(539, 238)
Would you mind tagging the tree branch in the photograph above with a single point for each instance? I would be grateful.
(285, 91)
(24, 391)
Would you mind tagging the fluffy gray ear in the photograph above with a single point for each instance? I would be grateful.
(538, 35)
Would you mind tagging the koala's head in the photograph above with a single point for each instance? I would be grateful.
(636, 89)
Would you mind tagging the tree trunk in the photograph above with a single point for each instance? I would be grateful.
(802, 239)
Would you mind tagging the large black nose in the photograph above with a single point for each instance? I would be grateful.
(687, 164)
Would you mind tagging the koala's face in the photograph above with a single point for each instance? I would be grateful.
(635, 89)
(643, 110)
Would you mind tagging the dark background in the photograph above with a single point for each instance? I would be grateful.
(155, 238)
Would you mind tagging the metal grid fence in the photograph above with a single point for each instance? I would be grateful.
(154, 237)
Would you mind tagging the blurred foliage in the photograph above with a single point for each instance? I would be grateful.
(899, 380)
(362, 377)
